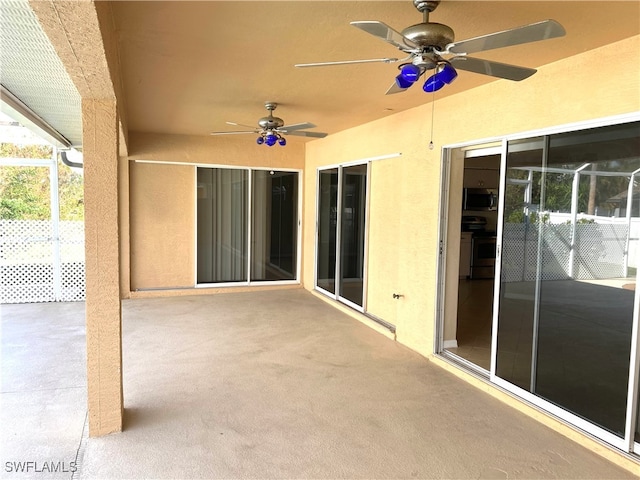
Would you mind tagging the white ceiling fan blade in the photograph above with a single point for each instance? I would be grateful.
(494, 69)
(394, 88)
(345, 62)
(239, 124)
(308, 134)
(387, 34)
(507, 38)
(295, 126)
(238, 132)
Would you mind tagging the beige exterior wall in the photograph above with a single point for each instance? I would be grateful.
(403, 217)
(404, 208)
(162, 202)
(162, 225)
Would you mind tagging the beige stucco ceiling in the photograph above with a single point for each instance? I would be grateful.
(190, 66)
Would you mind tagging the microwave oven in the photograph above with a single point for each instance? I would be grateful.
(480, 199)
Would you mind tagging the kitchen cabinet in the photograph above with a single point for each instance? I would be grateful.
(481, 178)
(465, 254)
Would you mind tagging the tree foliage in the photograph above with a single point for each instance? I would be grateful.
(25, 193)
(557, 193)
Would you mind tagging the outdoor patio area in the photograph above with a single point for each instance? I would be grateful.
(270, 384)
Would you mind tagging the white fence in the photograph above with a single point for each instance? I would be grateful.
(599, 251)
(37, 266)
(634, 230)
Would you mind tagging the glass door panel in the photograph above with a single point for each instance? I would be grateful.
(352, 233)
(222, 225)
(587, 294)
(327, 229)
(569, 260)
(274, 225)
(517, 307)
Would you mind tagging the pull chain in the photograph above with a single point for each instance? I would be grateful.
(433, 107)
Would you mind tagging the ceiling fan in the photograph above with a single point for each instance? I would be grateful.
(271, 129)
(428, 43)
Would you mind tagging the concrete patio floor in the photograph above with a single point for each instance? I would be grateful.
(273, 384)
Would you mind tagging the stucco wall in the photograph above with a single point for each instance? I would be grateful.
(162, 203)
(405, 191)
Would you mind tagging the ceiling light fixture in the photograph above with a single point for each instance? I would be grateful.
(445, 74)
(270, 138)
(409, 74)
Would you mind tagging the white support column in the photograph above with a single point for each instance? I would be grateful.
(628, 217)
(55, 226)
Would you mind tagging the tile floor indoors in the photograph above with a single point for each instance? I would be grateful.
(475, 310)
(271, 384)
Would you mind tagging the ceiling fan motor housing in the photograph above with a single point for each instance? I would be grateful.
(429, 35)
(271, 122)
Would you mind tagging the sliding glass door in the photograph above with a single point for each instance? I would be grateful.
(274, 225)
(327, 230)
(352, 234)
(568, 273)
(246, 218)
(222, 225)
(341, 223)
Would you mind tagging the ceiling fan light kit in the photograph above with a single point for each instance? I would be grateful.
(428, 43)
(272, 129)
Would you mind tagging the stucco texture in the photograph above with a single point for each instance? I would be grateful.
(103, 308)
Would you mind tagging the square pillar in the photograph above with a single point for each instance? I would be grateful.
(102, 260)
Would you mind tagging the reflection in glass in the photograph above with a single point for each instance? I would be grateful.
(327, 229)
(274, 225)
(519, 253)
(569, 260)
(354, 191)
(222, 225)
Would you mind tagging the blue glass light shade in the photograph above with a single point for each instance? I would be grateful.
(408, 75)
(402, 83)
(410, 72)
(448, 74)
(444, 75)
(433, 84)
(282, 141)
(270, 139)
(259, 140)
